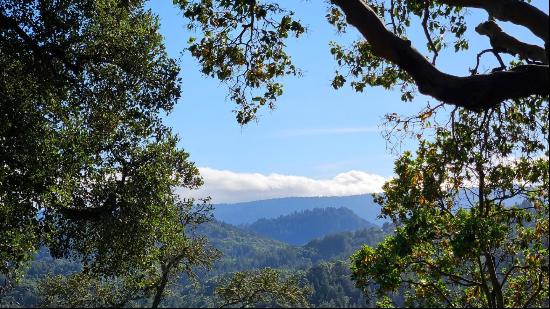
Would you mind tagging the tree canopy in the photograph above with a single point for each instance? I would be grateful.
(87, 168)
(472, 219)
(242, 43)
(263, 287)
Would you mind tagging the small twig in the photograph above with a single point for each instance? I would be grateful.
(426, 32)
(392, 10)
(502, 65)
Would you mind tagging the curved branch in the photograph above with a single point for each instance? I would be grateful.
(476, 92)
(515, 11)
(503, 42)
(502, 66)
(427, 32)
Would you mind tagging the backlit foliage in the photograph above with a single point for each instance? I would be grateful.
(471, 209)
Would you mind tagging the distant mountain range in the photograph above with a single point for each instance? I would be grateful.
(248, 212)
(362, 205)
(304, 226)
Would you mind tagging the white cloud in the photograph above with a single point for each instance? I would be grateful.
(227, 187)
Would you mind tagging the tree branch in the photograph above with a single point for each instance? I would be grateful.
(515, 11)
(81, 212)
(503, 42)
(427, 32)
(502, 66)
(476, 92)
(45, 53)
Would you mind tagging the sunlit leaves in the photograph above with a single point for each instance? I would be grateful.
(242, 43)
(460, 240)
(366, 69)
(444, 25)
(263, 287)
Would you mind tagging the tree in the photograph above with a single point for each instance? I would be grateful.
(262, 287)
(141, 286)
(459, 242)
(242, 44)
(87, 168)
(332, 286)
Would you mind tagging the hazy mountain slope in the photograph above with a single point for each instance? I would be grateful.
(303, 226)
(244, 249)
(248, 212)
(362, 205)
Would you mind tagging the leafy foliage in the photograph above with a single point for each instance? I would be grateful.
(364, 68)
(242, 44)
(262, 287)
(87, 167)
(471, 249)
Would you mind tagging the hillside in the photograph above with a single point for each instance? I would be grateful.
(324, 262)
(248, 212)
(342, 245)
(303, 226)
(242, 250)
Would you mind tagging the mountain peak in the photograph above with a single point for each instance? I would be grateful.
(300, 227)
(249, 212)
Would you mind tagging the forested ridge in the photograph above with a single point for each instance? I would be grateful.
(324, 263)
(248, 212)
(300, 227)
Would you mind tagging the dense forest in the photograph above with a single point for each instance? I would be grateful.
(323, 262)
(249, 212)
(301, 227)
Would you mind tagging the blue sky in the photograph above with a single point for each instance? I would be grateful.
(316, 133)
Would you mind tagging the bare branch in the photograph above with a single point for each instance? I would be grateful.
(426, 32)
(502, 66)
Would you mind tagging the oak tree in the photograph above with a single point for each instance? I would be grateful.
(262, 287)
(87, 167)
(471, 210)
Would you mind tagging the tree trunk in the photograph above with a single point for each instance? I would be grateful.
(159, 291)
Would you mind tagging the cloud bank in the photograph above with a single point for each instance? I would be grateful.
(229, 187)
